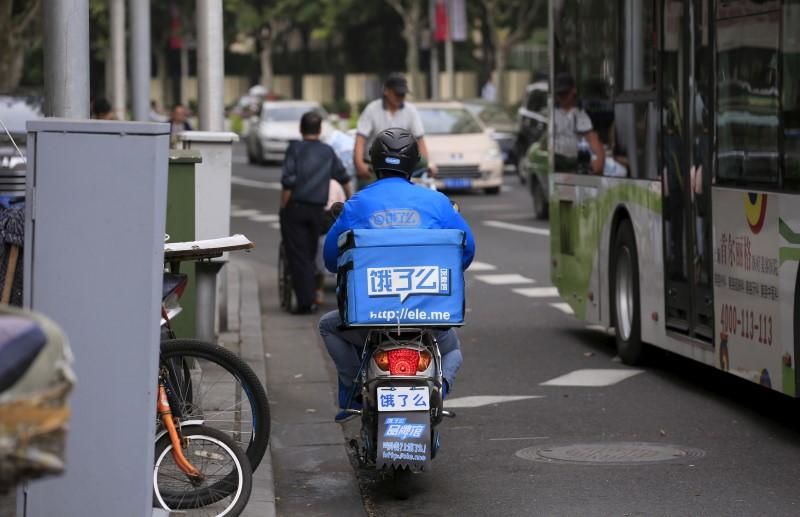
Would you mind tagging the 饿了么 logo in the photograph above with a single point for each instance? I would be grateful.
(405, 281)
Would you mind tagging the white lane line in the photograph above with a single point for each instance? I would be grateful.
(517, 227)
(519, 438)
(505, 279)
(264, 218)
(592, 377)
(276, 226)
(480, 266)
(597, 328)
(269, 185)
(563, 307)
(485, 400)
(246, 212)
(537, 292)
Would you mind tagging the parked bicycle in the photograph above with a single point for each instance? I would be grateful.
(196, 466)
(213, 410)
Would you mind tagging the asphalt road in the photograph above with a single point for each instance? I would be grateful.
(672, 438)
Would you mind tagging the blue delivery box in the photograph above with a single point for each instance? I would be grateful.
(405, 277)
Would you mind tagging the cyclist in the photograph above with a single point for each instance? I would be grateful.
(390, 111)
(394, 155)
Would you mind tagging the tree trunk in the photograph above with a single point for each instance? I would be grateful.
(411, 35)
(500, 58)
(487, 47)
(12, 59)
(265, 58)
(16, 36)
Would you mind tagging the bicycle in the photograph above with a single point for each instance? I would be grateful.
(210, 383)
(219, 480)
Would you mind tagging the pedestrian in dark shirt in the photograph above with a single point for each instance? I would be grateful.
(308, 168)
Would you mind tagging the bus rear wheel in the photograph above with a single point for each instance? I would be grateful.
(625, 295)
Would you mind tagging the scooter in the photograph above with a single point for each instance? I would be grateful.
(401, 394)
(400, 285)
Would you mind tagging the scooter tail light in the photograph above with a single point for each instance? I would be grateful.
(425, 359)
(403, 361)
(381, 358)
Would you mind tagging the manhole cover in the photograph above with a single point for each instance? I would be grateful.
(611, 453)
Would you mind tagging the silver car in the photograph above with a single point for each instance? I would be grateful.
(277, 124)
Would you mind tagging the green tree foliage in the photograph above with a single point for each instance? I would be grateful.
(510, 22)
(19, 33)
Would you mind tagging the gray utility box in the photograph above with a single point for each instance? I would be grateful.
(94, 249)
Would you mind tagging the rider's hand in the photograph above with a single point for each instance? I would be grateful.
(432, 169)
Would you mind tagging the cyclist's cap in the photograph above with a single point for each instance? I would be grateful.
(564, 83)
(397, 83)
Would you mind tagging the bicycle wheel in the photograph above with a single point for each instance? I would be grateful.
(214, 385)
(228, 478)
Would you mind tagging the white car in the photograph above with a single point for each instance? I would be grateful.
(278, 124)
(466, 155)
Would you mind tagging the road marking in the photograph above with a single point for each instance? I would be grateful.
(505, 279)
(269, 185)
(247, 212)
(597, 328)
(481, 266)
(485, 400)
(517, 227)
(519, 438)
(276, 226)
(563, 307)
(264, 218)
(592, 378)
(537, 292)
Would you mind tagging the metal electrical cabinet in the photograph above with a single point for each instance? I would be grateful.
(94, 248)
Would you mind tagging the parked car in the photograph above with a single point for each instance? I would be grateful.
(496, 118)
(15, 112)
(534, 166)
(532, 117)
(277, 124)
(462, 148)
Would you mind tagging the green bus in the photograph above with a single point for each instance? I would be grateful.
(692, 245)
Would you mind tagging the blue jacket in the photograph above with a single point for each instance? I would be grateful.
(396, 203)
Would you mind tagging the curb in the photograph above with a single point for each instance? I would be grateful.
(243, 336)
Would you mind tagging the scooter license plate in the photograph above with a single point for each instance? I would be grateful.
(403, 398)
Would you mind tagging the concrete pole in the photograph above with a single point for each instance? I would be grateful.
(210, 65)
(66, 58)
(434, 51)
(118, 76)
(140, 58)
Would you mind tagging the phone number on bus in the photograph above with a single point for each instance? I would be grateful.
(751, 325)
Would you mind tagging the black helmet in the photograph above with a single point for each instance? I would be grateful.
(395, 151)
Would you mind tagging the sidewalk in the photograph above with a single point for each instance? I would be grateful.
(306, 471)
(243, 336)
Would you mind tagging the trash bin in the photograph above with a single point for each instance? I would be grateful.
(181, 228)
(212, 215)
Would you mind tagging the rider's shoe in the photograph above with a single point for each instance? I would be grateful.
(345, 395)
(343, 415)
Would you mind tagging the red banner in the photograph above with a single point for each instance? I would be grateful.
(442, 23)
